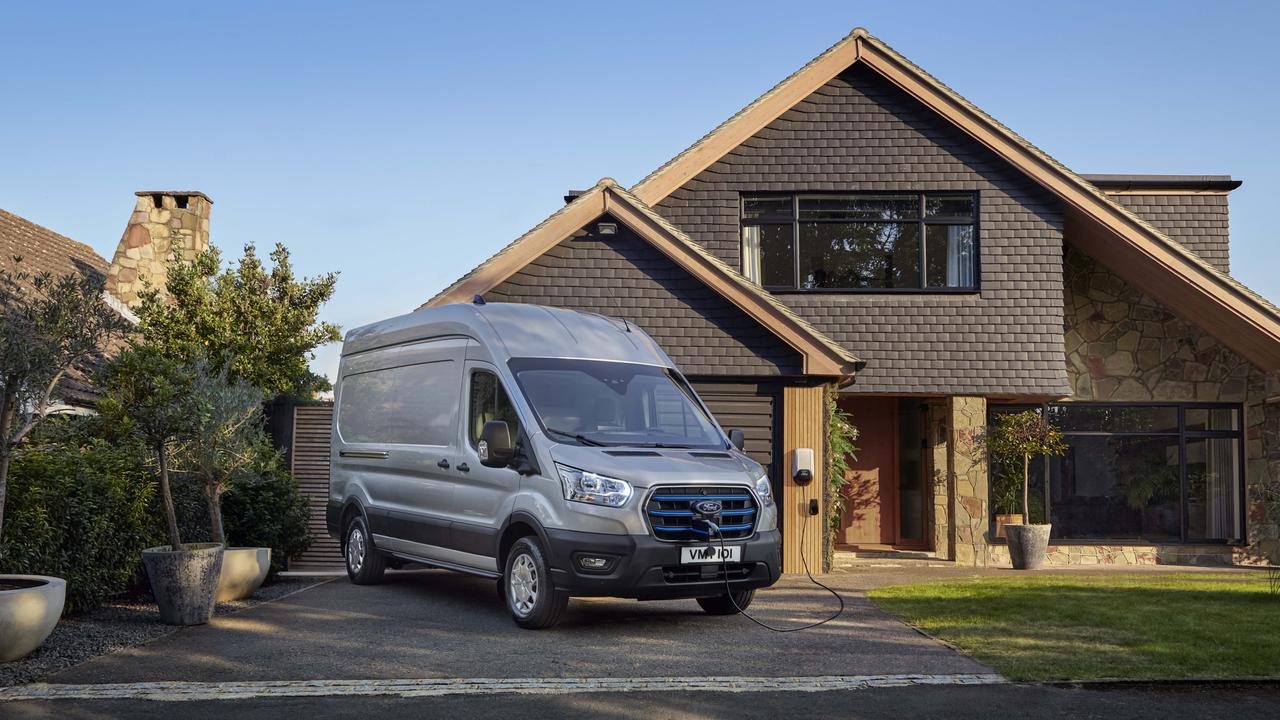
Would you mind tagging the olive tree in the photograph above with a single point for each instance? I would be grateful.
(49, 327)
(153, 397)
(229, 440)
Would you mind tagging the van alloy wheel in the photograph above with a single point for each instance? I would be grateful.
(356, 548)
(524, 585)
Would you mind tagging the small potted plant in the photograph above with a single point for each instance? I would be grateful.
(1006, 497)
(1018, 437)
(226, 445)
(48, 327)
(155, 398)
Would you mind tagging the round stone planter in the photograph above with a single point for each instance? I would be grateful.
(184, 582)
(1028, 545)
(243, 572)
(30, 606)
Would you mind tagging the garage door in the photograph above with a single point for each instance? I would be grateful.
(752, 408)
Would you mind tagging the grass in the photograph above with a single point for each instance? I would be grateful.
(1067, 627)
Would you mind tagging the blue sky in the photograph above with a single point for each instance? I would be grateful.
(402, 143)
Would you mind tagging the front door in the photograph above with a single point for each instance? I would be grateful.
(884, 502)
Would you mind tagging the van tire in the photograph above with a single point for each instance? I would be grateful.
(528, 588)
(372, 563)
(724, 604)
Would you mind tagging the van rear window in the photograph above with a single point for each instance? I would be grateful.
(406, 405)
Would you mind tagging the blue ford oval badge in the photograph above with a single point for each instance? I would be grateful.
(706, 507)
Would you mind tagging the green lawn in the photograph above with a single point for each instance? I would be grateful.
(1087, 627)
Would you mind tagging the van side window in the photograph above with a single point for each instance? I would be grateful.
(406, 405)
(490, 402)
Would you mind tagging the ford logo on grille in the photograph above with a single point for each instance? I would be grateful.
(706, 508)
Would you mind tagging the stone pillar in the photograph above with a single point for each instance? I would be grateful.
(937, 463)
(162, 222)
(967, 460)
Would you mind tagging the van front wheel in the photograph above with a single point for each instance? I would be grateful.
(727, 604)
(365, 563)
(528, 589)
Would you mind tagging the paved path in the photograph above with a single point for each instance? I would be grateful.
(436, 624)
(960, 702)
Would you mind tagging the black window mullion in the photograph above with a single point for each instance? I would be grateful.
(795, 238)
(1183, 514)
(920, 249)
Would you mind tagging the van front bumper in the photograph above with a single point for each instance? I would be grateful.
(647, 569)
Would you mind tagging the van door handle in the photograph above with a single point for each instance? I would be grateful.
(464, 467)
(443, 464)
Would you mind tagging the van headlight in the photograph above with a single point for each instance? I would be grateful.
(764, 490)
(588, 487)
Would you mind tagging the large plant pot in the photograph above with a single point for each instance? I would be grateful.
(185, 582)
(1028, 545)
(30, 606)
(243, 572)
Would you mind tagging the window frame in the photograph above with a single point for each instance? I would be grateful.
(498, 385)
(920, 221)
(1184, 436)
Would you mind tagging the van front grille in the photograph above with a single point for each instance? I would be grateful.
(707, 573)
(670, 513)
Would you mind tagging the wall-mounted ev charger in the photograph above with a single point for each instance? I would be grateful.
(802, 465)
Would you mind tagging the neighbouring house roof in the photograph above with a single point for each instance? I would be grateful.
(43, 250)
(821, 354)
(1095, 222)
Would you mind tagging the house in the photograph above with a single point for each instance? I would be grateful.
(160, 222)
(863, 234)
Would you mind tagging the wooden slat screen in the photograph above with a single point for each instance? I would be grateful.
(312, 424)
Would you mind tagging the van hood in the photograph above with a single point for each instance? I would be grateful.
(647, 467)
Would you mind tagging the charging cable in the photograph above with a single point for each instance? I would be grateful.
(724, 569)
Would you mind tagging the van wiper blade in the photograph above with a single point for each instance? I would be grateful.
(579, 437)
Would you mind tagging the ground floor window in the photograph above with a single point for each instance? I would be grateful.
(1148, 473)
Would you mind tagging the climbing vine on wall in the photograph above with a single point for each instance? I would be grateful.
(841, 436)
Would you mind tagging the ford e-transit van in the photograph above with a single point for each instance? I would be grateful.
(558, 452)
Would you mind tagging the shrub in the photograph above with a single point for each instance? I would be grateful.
(80, 511)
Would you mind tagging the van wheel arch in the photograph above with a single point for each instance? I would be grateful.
(517, 526)
(352, 510)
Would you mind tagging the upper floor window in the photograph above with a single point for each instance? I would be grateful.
(900, 241)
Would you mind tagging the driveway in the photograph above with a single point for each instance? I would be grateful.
(437, 624)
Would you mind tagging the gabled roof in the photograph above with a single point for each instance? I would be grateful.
(821, 355)
(1131, 247)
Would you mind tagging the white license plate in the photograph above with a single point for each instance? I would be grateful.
(694, 554)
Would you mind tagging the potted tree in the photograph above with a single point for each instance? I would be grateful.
(48, 328)
(1017, 437)
(228, 443)
(1006, 497)
(155, 398)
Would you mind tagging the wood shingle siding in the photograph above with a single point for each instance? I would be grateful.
(860, 133)
(622, 276)
(309, 455)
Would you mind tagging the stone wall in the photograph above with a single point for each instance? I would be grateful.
(161, 222)
(967, 460)
(1122, 345)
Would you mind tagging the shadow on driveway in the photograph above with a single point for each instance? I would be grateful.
(435, 623)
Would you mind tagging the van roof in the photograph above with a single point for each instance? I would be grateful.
(516, 330)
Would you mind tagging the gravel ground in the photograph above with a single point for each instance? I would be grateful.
(116, 626)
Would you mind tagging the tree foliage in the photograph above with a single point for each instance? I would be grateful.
(153, 397)
(48, 326)
(1022, 436)
(256, 323)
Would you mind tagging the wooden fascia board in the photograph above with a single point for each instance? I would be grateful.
(1070, 191)
(703, 154)
(555, 230)
(816, 358)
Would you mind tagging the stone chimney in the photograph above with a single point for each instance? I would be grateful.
(162, 221)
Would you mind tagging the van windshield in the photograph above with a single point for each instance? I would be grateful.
(595, 402)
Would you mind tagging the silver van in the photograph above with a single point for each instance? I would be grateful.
(558, 452)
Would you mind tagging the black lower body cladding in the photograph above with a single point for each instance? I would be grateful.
(648, 569)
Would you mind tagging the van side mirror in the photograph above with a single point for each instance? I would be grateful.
(495, 447)
(738, 439)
